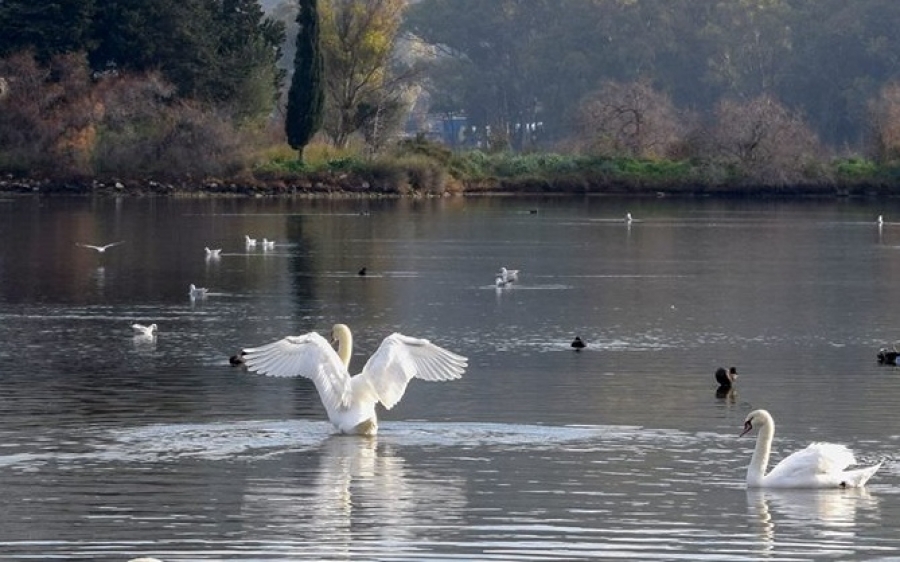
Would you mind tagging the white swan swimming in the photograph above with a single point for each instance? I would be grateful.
(101, 249)
(268, 244)
(820, 465)
(144, 331)
(628, 218)
(249, 242)
(350, 401)
(213, 253)
(197, 292)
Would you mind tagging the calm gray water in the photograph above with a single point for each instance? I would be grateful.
(113, 447)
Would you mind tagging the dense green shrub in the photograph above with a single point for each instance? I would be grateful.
(343, 164)
(419, 145)
(283, 166)
(654, 170)
(856, 169)
(471, 165)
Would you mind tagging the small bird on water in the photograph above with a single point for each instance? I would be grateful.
(197, 292)
(726, 378)
(237, 360)
(577, 344)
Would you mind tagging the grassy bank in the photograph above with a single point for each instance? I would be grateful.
(416, 167)
(428, 169)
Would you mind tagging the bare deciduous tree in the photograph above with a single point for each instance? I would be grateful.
(764, 141)
(884, 124)
(630, 119)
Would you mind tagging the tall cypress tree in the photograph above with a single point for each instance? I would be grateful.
(306, 96)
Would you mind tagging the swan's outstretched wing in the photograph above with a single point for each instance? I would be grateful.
(308, 356)
(399, 358)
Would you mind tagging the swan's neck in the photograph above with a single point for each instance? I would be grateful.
(345, 344)
(760, 460)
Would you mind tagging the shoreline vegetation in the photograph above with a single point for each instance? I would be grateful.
(420, 168)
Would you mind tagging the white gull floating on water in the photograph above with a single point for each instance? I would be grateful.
(197, 292)
(145, 331)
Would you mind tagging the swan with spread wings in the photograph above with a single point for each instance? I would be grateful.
(350, 400)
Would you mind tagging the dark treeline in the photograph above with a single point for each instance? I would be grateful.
(219, 52)
(636, 93)
(517, 61)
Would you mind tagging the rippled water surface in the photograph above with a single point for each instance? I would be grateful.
(113, 446)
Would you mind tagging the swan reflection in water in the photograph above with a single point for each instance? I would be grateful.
(829, 515)
(144, 342)
(360, 492)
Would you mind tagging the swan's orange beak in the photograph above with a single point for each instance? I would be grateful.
(748, 427)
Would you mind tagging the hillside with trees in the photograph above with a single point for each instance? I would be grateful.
(436, 95)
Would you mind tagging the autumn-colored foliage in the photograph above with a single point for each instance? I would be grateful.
(358, 39)
(61, 120)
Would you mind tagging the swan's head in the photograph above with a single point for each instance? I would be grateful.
(153, 327)
(339, 333)
(756, 419)
(341, 337)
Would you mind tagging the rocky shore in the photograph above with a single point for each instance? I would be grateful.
(187, 187)
(349, 185)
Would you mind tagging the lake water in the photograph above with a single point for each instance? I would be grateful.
(113, 447)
